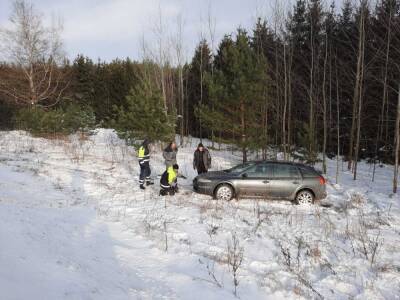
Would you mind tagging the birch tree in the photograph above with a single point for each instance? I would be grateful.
(397, 145)
(36, 52)
(358, 92)
(178, 43)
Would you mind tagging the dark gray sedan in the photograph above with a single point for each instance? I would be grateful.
(264, 179)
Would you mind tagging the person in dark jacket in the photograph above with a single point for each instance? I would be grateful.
(201, 159)
(169, 181)
(169, 155)
(144, 163)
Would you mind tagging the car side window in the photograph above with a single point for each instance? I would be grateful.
(307, 173)
(286, 171)
(260, 171)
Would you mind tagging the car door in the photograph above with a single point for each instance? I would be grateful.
(285, 181)
(254, 181)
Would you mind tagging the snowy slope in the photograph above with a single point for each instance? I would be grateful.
(74, 225)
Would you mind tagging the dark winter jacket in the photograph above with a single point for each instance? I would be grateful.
(202, 156)
(170, 156)
(144, 153)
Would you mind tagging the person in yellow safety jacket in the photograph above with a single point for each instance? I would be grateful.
(144, 163)
(168, 181)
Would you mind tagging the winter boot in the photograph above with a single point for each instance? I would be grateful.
(142, 187)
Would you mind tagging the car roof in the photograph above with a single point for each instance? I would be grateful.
(283, 162)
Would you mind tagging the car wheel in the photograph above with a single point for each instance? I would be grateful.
(224, 192)
(305, 197)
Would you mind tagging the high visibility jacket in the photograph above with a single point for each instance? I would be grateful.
(168, 178)
(143, 155)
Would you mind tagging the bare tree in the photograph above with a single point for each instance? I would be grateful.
(36, 53)
(235, 259)
(283, 54)
(211, 31)
(385, 79)
(397, 145)
(161, 54)
(337, 121)
(278, 21)
(201, 70)
(311, 90)
(358, 93)
(324, 106)
(289, 118)
(179, 60)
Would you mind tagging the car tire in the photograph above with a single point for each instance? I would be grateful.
(224, 192)
(304, 197)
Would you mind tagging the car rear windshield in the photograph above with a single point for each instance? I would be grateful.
(239, 168)
(308, 172)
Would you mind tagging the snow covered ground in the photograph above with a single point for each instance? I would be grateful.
(74, 225)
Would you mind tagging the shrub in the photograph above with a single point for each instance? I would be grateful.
(29, 119)
(68, 120)
(51, 122)
(78, 118)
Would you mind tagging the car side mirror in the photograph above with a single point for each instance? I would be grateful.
(244, 175)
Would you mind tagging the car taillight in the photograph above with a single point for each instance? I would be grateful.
(322, 180)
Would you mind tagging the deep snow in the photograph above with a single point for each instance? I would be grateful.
(74, 225)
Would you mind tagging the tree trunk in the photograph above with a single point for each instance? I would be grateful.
(329, 131)
(187, 105)
(337, 124)
(311, 96)
(356, 92)
(324, 107)
(285, 98)
(353, 125)
(243, 129)
(278, 91)
(265, 127)
(182, 98)
(360, 92)
(163, 88)
(201, 92)
(289, 121)
(32, 87)
(397, 145)
(385, 78)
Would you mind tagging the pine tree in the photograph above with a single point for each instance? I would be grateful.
(197, 89)
(144, 115)
(83, 80)
(236, 92)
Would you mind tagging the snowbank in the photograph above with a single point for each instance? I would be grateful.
(74, 225)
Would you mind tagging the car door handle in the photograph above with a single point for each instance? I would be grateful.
(295, 182)
(265, 181)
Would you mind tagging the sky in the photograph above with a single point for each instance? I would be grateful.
(109, 29)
